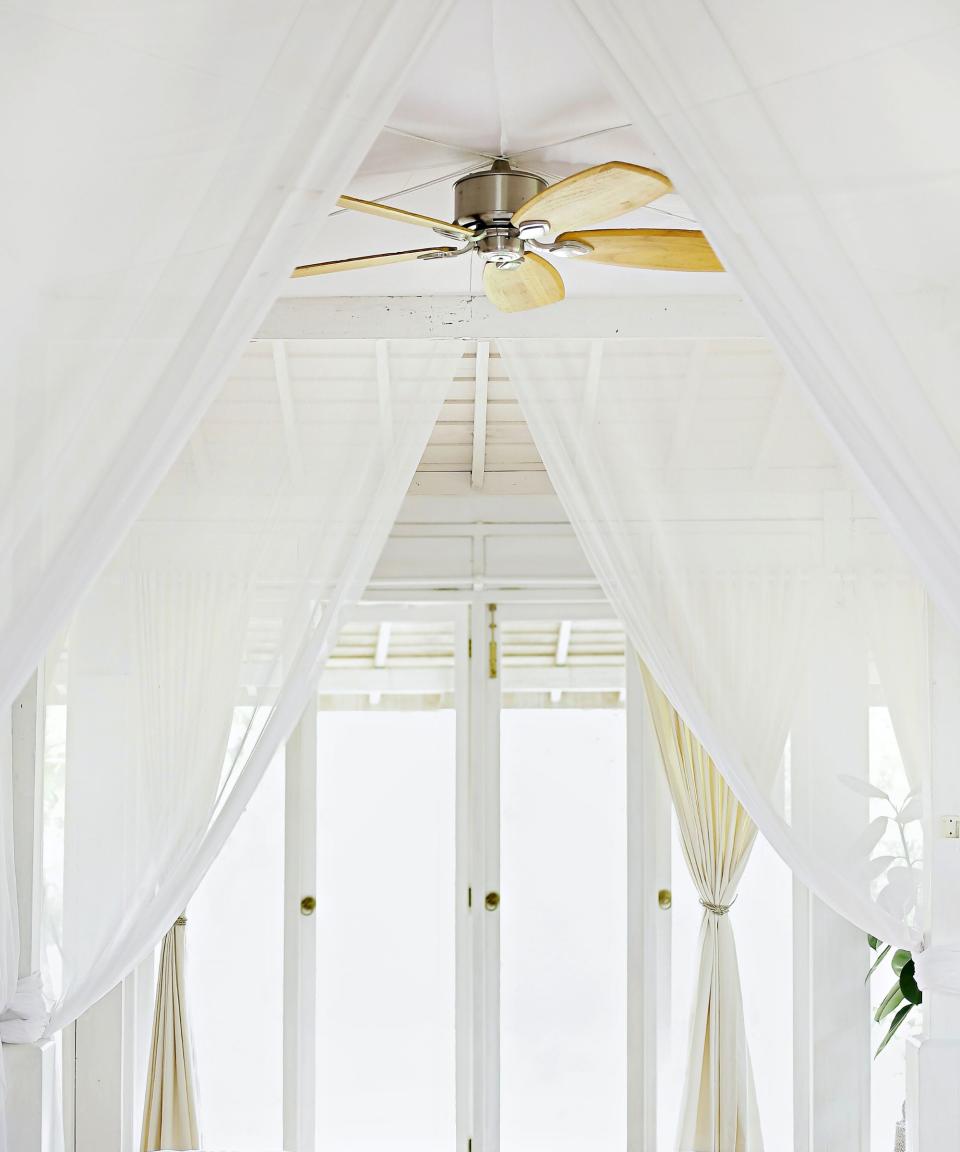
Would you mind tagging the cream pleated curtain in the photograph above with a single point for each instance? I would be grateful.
(718, 1109)
(170, 1118)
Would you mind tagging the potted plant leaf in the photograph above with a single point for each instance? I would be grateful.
(903, 996)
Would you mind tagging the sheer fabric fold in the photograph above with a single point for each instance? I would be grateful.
(165, 170)
(718, 1109)
(744, 561)
(193, 655)
(825, 171)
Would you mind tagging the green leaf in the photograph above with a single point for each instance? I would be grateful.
(879, 960)
(894, 1025)
(863, 787)
(893, 999)
(908, 984)
(900, 958)
(912, 810)
(873, 942)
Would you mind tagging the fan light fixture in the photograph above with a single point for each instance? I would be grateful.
(504, 215)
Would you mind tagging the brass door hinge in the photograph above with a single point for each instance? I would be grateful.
(492, 610)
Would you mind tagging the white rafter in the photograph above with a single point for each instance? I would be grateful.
(688, 407)
(777, 412)
(281, 370)
(383, 393)
(198, 454)
(561, 654)
(482, 376)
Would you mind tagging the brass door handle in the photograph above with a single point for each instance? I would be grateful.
(307, 906)
(491, 901)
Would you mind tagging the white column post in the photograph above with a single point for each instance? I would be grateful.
(300, 935)
(831, 1001)
(648, 921)
(933, 1059)
(32, 1116)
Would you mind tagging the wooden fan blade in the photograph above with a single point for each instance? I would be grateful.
(594, 195)
(364, 262)
(388, 212)
(532, 284)
(668, 249)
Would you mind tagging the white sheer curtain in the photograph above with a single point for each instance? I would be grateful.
(730, 541)
(194, 653)
(816, 144)
(164, 167)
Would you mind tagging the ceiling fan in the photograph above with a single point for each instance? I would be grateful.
(504, 215)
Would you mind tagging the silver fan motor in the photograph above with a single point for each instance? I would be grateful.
(488, 200)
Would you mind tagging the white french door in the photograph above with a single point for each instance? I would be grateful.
(464, 857)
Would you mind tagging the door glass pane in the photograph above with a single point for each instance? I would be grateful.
(386, 913)
(234, 950)
(563, 911)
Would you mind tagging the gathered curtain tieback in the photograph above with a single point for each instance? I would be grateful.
(718, 909)
(937, 969)
(24, 1019)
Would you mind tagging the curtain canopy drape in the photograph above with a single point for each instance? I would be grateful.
(826, 171)
(194, 653)
(164, 168)
(730, 540)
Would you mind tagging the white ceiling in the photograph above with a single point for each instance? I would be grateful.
(501, 77)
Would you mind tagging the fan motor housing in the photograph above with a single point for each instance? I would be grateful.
(490, 198)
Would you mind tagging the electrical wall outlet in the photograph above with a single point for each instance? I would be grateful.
(950, 827)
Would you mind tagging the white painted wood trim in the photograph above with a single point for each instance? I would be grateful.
(648, 925)
(474, 318)
(300, 936)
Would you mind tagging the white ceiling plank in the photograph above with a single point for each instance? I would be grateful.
(282, 373)
(480, 413)
(717, 317)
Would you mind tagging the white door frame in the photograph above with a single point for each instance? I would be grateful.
(477, 688)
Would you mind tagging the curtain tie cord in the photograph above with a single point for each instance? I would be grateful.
(718, 909)
(180, 922)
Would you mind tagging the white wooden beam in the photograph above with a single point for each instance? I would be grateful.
(480, 413)
(474, 318)
(383, 644)
(563, 642)
(561, 654)
(772, 426)
(282, 373)
(198, 454)
(380, 655)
